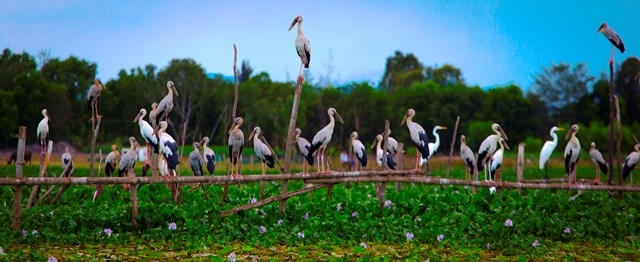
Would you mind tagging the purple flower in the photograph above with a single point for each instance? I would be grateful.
(567, 230)
(535, 243)
(508, 223)
(306, 216)
(262, 230)
(173, 226)
(232, 257)
(387, 204)
(253, 200)
(440, 237)
(24, 233)
(363, 245)
(488, 246)
(408, 235)
(339, 207)
(300, 234)
(108, 231)
(279, 222)
(354, 214)
(52, 259)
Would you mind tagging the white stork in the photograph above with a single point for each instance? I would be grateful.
(303, 146)
(467, 156)
(323, 137)
(43, 131)
(195, 160)
(263, 152)
(433, 147)
(359, 150)
(236, 143)
(128, 159)
(303, 46)
(168, 147)
(166, 104)
(93, 95)
(147, 133)
(630, 162)
(418, 137)
(496, 159)
(380, 154)
(488, 147)
(392, 146)
(209, 155)
(547, 149)
(572, 153)
(597, 159)
(153, 115)
(112, 159)
(613, 37)
(67, 162)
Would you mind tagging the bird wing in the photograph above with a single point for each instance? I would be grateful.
(420, 139)
(210, 160)
(545, 152)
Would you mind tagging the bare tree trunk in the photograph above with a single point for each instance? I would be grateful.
(619, 144)
(233, 115)
(611, 112)
(289, 144)
(453, 143)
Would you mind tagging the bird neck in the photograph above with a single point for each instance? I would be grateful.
(300, 28)
(555, 138)
(437, 143)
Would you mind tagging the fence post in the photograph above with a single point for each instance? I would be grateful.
(520, 167)
(17, 190)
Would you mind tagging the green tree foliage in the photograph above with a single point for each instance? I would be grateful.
(628, 87)
(401, 71)
(445, 75)
(245, 71)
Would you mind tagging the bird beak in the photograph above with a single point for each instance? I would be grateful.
(374, 143)
(232, 126)
(503, 135)
(175, 90)
(506, 146)
(137, 118)
(295, 20)
(443, 127)
(251, 135)
(404, 119)
(155, 130)
(568, 134)
(560, 129)
(339, 118)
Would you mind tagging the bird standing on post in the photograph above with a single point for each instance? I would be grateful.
(359, 150)
(128, 160)
(166, 104)
(208, 155)
(112, 159)
(303, 146)
(496, 159)
(380, 154)
(547, 149)
(303, 46)
(43, 131)
(236, 143)
(195, 160)
(67, 162)
(630, 162)
(467, 156)
(323, 137)
(572, 154)
(488, 147)
(147, 134)
(418, 137)
(168, 147)
(597, 159)
(613, 37)
(93, 95)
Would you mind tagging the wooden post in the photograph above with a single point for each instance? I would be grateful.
(453, 143)
(475, 172)
(399, 160)
(44, 162)
(289, 143)
(611, 113)
(94, 128)
(17, 190)
(520, 167)
(618, 144)
(382, 187)
(233, 115)
(133, 190)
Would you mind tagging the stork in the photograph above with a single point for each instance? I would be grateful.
(166, 104)
(630, 162)
(43, 131)
(110, 162)
(433, 147)
(496, 159)
(597, 159)
(303, 46)
(195, 160)
(572, 153)
(147, 133)
(323, 137)
(359, 150)
(303, 146)
(489, 146)
(93, 95)
(208, 155)
(418, 137)
(128, 160)
(613, 37)
(236, 143)
(467, 156)
(153, 115)
(168, 147)
(392, 146)
(547, 149)
(67, 162)
(380, 154)
(263, 152)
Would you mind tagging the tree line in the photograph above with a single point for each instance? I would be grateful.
(561, 95)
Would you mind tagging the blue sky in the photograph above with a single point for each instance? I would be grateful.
(493, 42)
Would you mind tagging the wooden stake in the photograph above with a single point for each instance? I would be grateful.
(520, 167)
(288, 153)
(611, 113)
(17, 190)
(453, 143)
(233, 115)
(382, 187)
(619, 144)
(399, 155)
(44, 162)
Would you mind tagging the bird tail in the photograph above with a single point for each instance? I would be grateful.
(211, 164)
(626, 171)
(89, 103)
(603, 168)
(312, 152)
(480, 161)
(270, 161)
(108, 169)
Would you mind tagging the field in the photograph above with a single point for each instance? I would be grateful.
(419, 222)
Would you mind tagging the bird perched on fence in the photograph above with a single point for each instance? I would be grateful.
(303, 46)
(263, 152)
(467, 156)
(613, 37)
(496, 159)
(112, 159)
(303, 146)
(488, 147)
(168, 147)
(572, 154)
(380, 154)
(433, 147)
(236, 143)
(418, 137)
(358, 150)
(43, 131)
(547, 149)
(128, 160)
(208, 155)
(166, 104)
(153, 115)
(392, 146)
(323, 137)
(195, 160)
(93, 95)
(147, 134)
(67, 162)
(597, 159)
(630, 162)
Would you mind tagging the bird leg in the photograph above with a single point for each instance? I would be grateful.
(146, 162)
(417, 168)
(597, 174)
(262, 181)
(546, 173)
(611, 59)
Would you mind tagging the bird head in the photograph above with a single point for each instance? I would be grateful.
(408, 116)
(498, 129)
(196, 145)
(171, 86)
(256, 132)
(354, 136)
(45, 113)
(154, 106)
(98, 83)
(298, 19)
(593, 145)
(574, 129)
(162, 126)
(236, 124)
(204, 141)
(140, 115)
(375, 142)
(503, 142)
(463, 139)
(602, 27)
(114, 147)
(332, 111)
